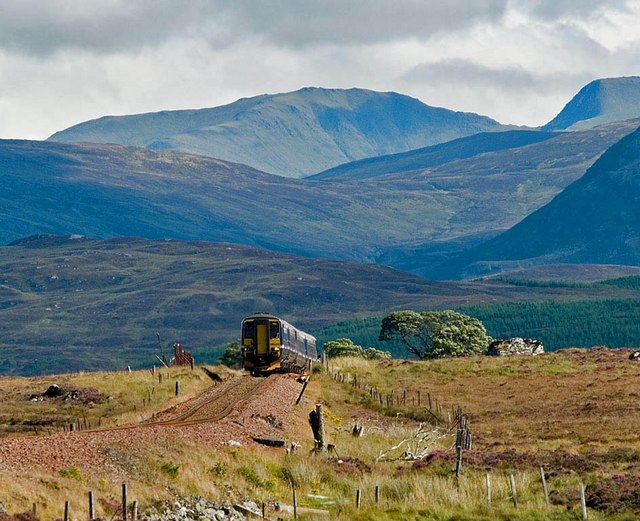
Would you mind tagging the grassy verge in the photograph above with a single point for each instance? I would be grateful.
(556, 410)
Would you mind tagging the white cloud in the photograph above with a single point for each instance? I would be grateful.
(519, 61)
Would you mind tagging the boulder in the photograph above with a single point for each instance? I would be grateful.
(54, 391)
(515, 346)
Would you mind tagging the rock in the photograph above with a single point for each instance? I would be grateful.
(515, 346)
(233, 443)
(53, 391)
(271, 441)
(635, 356)
(3, 509)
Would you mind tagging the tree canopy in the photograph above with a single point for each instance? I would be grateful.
(346, 347)
(232, 356)
(436, 334)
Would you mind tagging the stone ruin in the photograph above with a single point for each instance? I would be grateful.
(515, 346)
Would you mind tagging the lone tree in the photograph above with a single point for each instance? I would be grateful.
(436, 334)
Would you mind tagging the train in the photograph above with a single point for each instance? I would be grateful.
(270, 344)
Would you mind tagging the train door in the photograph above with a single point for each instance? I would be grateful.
(262, 339)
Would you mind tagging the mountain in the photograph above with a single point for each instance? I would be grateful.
(594, 220)
(601, 101)
(292, 134)
(434, 155)
(487, 191)
(72, 303)
(107, 191)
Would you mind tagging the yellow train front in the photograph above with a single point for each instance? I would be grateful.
(270, 344)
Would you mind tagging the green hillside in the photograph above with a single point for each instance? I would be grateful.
(77, 304)
(292, 134)
(601, 101)
(434, 155)
(594, 220)
(109, 190)
(580, 323)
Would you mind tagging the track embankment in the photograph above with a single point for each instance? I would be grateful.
(236, 411)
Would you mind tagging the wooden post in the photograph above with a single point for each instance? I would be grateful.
(320, 413)
(92, 512)
(418, 398)
(177, 387)
(429, 397)
(583, 502)
(358, 499)
(488, 482)
(404, 397)
(264, 508)
(134, 513)
(304, 386)
(295, 503)
(458, 464)
(34, 511)
(544, 485)
(72, 427)
(377, 494)
(514, 497)
(66, 511)
(124, 502)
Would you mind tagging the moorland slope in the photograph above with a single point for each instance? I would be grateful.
(292, 134)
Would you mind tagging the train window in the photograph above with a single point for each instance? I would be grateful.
(274, 330)
(249, 329)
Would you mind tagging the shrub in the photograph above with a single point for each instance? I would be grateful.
(170, 469)
(71, 472)
(232, 356)
(346, 347)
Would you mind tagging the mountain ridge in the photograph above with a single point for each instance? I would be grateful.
(593, 220)
(292, 134)
(601, 101)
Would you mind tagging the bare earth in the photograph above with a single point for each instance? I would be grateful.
(237, 410)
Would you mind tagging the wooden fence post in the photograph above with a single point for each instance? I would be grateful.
(488, 482)
(358, 499)
(124, 501)
(134, 513)
(458, 464)
(377, 495)
(66, 511)
(544, 486)
(583, 502)
(514, 497)
(295, 503)
(177, 387)
(92, 513)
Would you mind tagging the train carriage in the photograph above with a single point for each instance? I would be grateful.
(270, 344)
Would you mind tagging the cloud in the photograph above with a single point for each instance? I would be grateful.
(557, 10)
(42, 28)
(518, 61)
(507, 79)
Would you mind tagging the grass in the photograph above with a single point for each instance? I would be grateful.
(126, 398)
(523, 413)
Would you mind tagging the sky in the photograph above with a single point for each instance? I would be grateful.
(518, 61)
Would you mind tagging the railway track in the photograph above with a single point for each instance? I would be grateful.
(212, 405)
(222, 401)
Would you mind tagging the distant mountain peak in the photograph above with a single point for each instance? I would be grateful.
(294, 133)
(600, 101)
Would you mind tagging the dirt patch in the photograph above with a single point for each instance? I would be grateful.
(93, 450)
